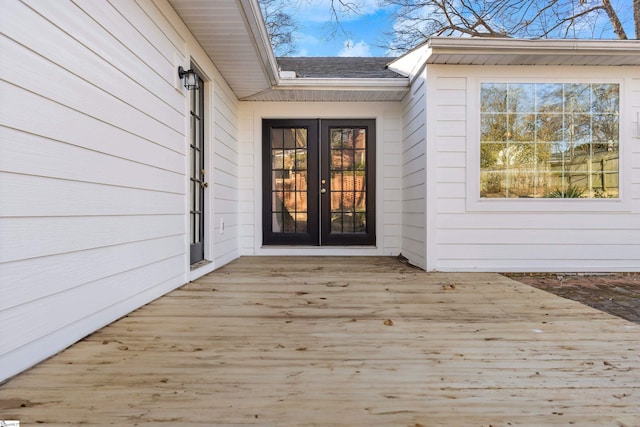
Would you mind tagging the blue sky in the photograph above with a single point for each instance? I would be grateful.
(362, 35)
(364, 32)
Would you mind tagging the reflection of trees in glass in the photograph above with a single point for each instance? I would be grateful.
(348, 180)
(289, 185)
(539, 138)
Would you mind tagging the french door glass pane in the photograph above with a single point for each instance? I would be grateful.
(289, 180)
(348, 178)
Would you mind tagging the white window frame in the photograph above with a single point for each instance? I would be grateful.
(476, 203)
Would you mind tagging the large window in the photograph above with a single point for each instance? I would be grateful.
(549, 140)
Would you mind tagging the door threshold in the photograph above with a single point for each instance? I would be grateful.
(199, 264)
(281, 250)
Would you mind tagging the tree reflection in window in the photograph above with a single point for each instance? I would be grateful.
(549, 140)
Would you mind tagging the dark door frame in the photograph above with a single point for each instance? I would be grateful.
(346, 239)
(197, 178)
(311, 237)
(319, 215)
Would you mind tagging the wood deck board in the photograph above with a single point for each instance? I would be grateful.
(342, 342)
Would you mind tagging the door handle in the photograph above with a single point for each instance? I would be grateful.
(204, 184)
(323, 190)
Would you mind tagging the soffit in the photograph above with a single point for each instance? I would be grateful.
(232, 34)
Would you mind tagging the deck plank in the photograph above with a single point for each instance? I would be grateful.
(341, 341)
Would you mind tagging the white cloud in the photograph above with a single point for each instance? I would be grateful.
(307, 39)
(358, 49)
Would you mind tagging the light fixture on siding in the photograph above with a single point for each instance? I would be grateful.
(190, 78)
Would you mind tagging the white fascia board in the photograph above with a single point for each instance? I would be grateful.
(411, 63)
(258, 32)
(544, 45)
(381, 84)
(440, 48)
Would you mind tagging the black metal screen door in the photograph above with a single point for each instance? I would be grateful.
(197, 182)
(318, 182)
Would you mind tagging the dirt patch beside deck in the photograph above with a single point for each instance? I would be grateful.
(617, 294)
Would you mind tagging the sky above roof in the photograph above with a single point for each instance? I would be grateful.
(360, 34)
(364, 33)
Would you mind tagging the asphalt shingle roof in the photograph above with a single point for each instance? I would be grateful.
(338, 67)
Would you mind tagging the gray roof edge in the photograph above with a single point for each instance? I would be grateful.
(339, 67)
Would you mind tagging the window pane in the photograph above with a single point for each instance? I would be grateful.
(606, 98)
(493, 183)
(493, 127)
(577, 98)
(289, 180)
(493, 97)
(549, 97)
(522, 127)
(521, 97)
(549, 140)
(277, 138)
(549, 127)
(348, 169)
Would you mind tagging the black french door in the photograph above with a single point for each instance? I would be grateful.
(197, 182)
(318, 182)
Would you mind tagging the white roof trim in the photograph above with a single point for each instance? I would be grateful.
(375, 84)
(506, 51)
(499, 51)
(317, 89)
(260, 38)
(544, 45)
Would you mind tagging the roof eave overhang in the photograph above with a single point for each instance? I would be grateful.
(506, 51)
(260, 38)
(332, 89)
(374, 84)
(232, 33)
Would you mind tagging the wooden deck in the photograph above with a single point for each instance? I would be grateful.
(342, 342)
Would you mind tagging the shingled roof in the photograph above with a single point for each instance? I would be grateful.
(338, 67)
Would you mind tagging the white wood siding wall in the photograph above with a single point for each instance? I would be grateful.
(388, 117)
(225, 158)
(414, 174)
(633, 141)
(527, 237)
(93, 167)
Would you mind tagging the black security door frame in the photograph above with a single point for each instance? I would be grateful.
(269, 236)
(197, 180)
(325, 225)
(328, 237)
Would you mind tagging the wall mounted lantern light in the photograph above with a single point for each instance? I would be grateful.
(190, 78)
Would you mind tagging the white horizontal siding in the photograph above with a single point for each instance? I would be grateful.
(52, 275)
(32, 154)
(86, 132)
(248, 161)
(32, 237)
(40, 197)
(633, 128)
(59, 310)
(589, 239)
(414, 175)
(32, 353)
(225, 175)
(389, 146)
(93, 167)
(106, 63)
